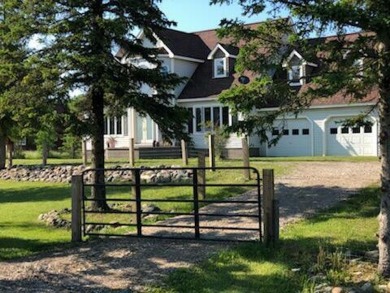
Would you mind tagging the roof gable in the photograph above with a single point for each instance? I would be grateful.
(225, 49)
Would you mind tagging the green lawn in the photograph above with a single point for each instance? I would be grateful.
(255, 268)
(21, 203)
(246, 268)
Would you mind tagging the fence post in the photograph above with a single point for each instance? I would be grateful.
(184, 153)
(137, 190)
(271, 208)
(212, 151)
(84, 151)
(77, 193)
(131, 152)
(201, 175)
(196, 202)
(245, 158)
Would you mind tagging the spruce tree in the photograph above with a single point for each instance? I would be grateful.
(81, 37)
(338, 70)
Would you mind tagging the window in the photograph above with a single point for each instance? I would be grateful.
(294, 75)
(286, 132)
(209, 117)
(333, 130)
(295, 132)
(368, 129)
(111, 123)
(305, 131)
(275, 131)
(358, 65)
(356, 130)
(225, 116)
(198, 119)
(114, 125)
(345, 130)
(220, 68)
(164, 70)
(216, 116)
(118, 125)
(190, 121)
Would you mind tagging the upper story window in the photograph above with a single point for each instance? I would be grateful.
(220, 67)
(358, 65)
(295, 75)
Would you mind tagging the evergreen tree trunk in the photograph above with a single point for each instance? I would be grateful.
(2, 151)
(384, 140)
(99, 190)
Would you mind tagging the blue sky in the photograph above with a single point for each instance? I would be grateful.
(196, 15)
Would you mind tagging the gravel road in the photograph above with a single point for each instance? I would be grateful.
(128, 265)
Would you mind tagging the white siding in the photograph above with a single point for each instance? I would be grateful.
(185, 69)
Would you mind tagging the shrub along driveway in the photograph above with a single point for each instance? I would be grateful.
(104, 265)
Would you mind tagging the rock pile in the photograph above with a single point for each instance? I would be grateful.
(53, 218)
(63, 174)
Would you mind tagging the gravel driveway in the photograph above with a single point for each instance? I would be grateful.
(130, 264)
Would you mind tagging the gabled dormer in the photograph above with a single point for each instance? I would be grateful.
(221, 58)
(298, 69)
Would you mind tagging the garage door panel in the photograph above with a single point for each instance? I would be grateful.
(360, 143)
(296, 143)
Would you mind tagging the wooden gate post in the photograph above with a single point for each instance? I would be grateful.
(271, 208)
(201, 175)
(77, 194)
(131, 152)
(212, 151)
(184, 152)
(245, 158)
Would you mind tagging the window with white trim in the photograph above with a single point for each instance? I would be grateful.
(295, 75)
(220, 67)
(114, 125)
(207, 118)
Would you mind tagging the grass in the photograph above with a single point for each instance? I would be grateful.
(21, 203)
(255, 268)
(246, 268)
(21, 233)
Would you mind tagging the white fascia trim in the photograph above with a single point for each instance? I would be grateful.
(326, 106)
(196, 100)
(295, 53)
(188, 59)
(170, 53)
(218, 46)
(182, 58)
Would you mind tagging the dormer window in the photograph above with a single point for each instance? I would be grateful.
(295, 75)
(220, 67)
(358, 65)
(298, 69)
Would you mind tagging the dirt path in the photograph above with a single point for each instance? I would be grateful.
(123, 264)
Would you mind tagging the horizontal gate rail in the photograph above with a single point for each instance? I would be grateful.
(196, 217)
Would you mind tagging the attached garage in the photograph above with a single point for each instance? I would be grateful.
(297, 139)
(350, 141)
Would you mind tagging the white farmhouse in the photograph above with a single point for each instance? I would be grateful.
(208, 63)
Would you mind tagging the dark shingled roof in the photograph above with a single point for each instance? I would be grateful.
(184, 44)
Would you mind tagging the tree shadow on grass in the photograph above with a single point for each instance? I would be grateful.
(35, 194)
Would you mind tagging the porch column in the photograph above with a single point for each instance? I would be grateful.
(133, 125)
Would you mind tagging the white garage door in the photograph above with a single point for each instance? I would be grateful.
(296, 139)
(350, 141)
